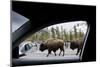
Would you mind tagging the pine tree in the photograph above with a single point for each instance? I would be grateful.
(81, 34)
(62, 32)
(71, 37)
(65, 35)
(57, 32)
(53, 32)
(75, 32)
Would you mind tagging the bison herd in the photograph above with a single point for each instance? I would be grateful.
(55, 44)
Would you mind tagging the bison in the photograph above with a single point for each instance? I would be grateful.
(52, 45)
(76, 44)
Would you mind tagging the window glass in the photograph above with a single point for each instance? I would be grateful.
(58, 41)
(17, 20)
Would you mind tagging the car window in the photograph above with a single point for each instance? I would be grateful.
(17, 20)
(22, 50)
(47, 42)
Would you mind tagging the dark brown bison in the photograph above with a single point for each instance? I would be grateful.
(76, 44)
(52, 45)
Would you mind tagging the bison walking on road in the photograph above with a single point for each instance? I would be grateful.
(76, 44)
(52, 45)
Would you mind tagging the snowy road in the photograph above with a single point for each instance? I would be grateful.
(38, 57)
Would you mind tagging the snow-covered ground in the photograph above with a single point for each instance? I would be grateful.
(36, 54)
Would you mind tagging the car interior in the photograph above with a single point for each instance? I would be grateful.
(27, 18)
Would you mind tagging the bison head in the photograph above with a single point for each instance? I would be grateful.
(73, 45)
(42, 47)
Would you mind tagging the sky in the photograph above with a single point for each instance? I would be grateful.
(68, 26)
